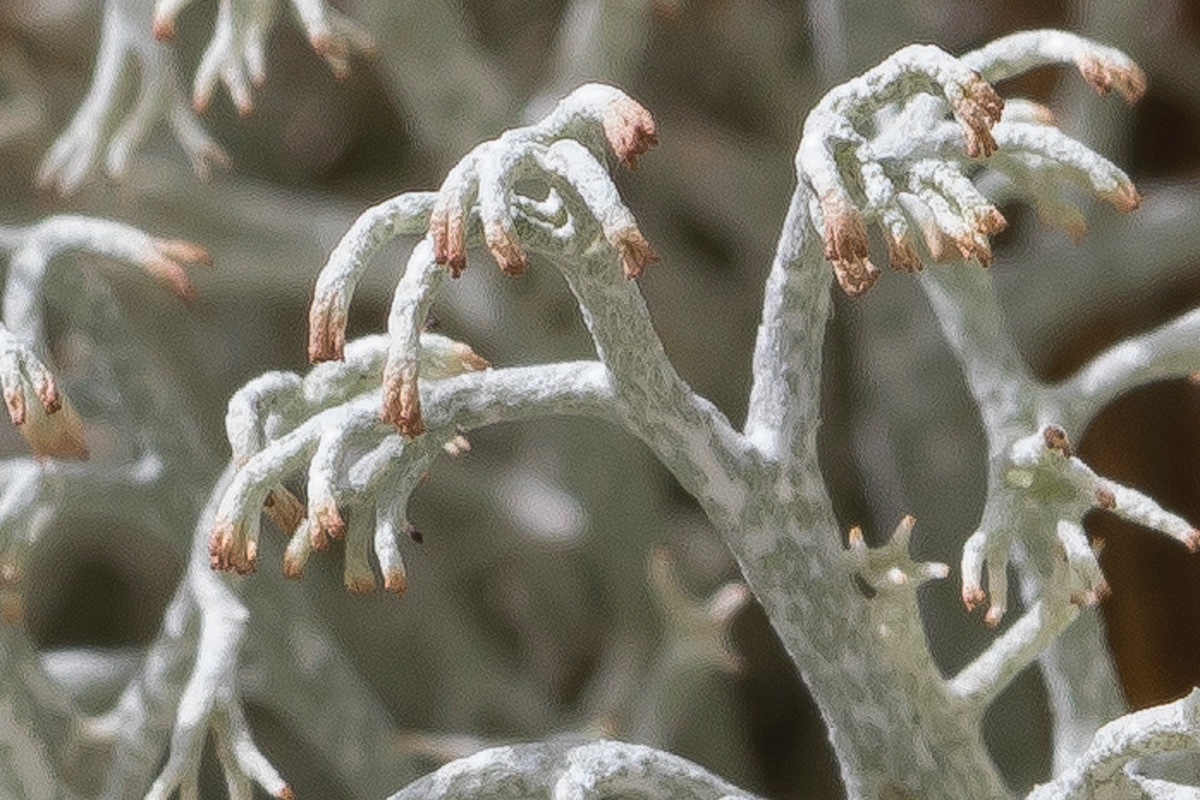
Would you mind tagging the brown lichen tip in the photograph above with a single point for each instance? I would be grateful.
(360, 584)
(166, 265)
(286, 793)
(326, 331)
(846, 246)
(14, 400)
(1069, 218)
(458, 446)
(855, 540)
(978, 109)
(172, 277)
(224, 553)
(1192, 540)
(941, 247)
(10, 574)
(1105, 499)
(1042, 114)
(1124, 198)
(469, 360)
(334, 52)
(184, 252)
(284, 509)
(402, 402)
(635, 252)
(993, 616)
(989, 221)
(1104, 76)
(630, 130)
(1091, 597)
(220, 545)
(396, 582)
(318, 538)
(506, 248)
(47, 392)
(975, 246)
(902, 255)
(856, 278)
(449, 238)
(164, 29)
(201, 102)
(329, 521)
(973, 597)
(1055, 438)
(293, 566)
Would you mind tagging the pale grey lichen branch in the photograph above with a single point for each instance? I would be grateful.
(189, 685)
(1105, 68)
(1107, 767)
(572, 771)
(210, 700)
(126, 41)
(142, 477)
(1038, 489)
(899, 147)
(236, 54)
(762, 510)
(308, 432)
(404, 214)
(1161, 354)
(890, 178)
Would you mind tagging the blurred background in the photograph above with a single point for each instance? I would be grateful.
(532, 609)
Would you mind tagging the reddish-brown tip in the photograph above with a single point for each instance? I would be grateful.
(164, 29)
(993, 616)
(506, 248)
(1105, 76)
(402, 402)
(14, 399)
(360, 584)
(329, 521)
(902, 255)
(1055, 438)
(1193, 541)
(978, 109)
(973, 597)
(1124, 198)
(326, 330)
(846, 246)
(396, 582)
(630, 130)
(449, 238)
(636, 253)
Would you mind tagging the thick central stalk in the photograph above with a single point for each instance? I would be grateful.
(776, 517)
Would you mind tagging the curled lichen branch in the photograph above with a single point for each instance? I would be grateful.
(236, 54)
(36, 404)
(126, 43)
(327, 424)
(1041, 471)
(563, 155)
(572, 771)
(1106, 769)
(879, 149)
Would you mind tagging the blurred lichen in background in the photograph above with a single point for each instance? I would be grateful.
(566, 586)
